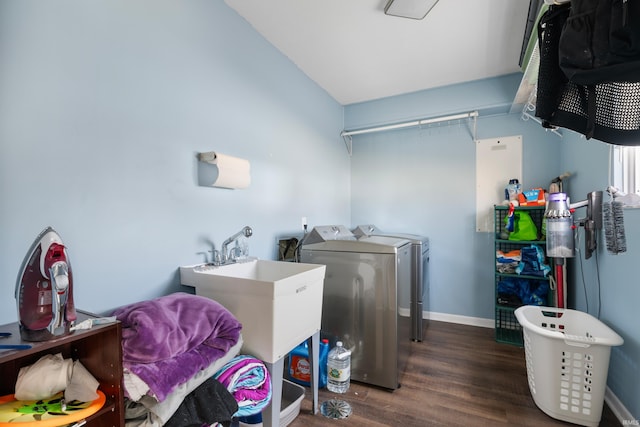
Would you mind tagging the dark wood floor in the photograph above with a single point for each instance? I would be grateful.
(458, 376)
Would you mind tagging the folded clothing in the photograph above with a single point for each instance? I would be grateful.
(507, 262)
(248, 380)
(210, 403)
(48, 376)
(82, 385)
(532, 262)
(52, 374)
(167, 340)
(146, 411)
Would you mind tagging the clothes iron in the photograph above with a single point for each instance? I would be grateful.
(44, 289)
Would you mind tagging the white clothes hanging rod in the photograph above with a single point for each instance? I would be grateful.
(413, 123)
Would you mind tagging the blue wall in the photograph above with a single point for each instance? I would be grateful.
(423, 181)
(606, 285)
(103, 107)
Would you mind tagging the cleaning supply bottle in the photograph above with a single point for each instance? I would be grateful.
(338, 369)
(513, 189)
(300, 368)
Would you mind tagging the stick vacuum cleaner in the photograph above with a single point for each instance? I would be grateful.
(560, 232)
(44, 289)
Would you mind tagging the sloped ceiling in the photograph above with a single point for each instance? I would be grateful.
(357, 53)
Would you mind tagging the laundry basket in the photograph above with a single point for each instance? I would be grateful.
(567, 355)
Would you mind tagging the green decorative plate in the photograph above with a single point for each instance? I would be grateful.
(46, 412)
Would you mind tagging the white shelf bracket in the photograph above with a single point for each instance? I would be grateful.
(474, 125)
(348, 141)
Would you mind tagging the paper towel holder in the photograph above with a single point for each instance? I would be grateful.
(223, 171)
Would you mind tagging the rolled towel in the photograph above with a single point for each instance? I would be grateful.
(248, 381)
(48, 376)
(82, 385)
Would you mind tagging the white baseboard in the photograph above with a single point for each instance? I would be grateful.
(619, 410)
(456, 318)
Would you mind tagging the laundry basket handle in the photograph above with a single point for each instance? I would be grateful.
(579, 340)
(554, 312)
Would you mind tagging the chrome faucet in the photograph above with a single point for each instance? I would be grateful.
(225, 255)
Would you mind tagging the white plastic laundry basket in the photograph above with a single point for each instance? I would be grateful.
(567, 355)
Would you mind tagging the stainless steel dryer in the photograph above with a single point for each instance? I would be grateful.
(417, 299)
(360, 303)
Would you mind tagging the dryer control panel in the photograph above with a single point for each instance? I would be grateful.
(324, 233)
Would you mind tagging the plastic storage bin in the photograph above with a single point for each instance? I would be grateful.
(292, 395)
(567, 355)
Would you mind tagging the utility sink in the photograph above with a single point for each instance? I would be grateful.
(278, 303)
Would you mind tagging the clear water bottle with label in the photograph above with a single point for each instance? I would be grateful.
(338, 369)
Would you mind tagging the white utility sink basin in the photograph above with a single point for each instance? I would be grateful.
(278, 303)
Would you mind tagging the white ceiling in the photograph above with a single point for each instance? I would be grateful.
(357, 53)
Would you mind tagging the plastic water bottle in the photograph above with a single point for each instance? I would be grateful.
(338, 369)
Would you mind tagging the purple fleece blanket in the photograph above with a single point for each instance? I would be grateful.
(167, 340)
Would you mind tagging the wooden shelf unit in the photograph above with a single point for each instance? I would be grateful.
(99, 349)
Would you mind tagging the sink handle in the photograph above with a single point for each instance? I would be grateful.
(217, 257)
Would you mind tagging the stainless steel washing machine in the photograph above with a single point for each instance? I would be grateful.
(360, 307)
(417, 299)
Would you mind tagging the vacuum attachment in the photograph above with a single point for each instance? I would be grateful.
(44, 289)
(593, 222)
(614, 227)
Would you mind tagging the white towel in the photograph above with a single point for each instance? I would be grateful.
(82, 386)
(52, 374)
(48, 376)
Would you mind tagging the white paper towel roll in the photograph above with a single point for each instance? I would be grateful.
(233, 172)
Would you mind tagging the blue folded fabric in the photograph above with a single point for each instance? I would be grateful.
(532, 262)
(249, 381)
(530, 292)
